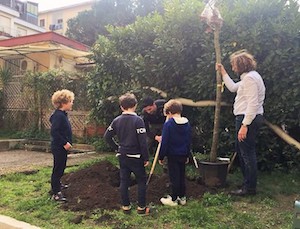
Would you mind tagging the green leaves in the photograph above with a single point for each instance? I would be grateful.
(172, 52)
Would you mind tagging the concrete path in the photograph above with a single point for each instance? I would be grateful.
(21, 160)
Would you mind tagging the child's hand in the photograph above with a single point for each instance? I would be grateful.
(67, 146)
(146, 163)
(161, 162)
(187, 160)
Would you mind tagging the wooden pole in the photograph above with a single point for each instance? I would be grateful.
(287, 138)
(214, 146)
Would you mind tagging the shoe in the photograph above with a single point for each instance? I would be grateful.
(143, 211)
(59, 197)
(243, 192)
(168, 201)
(182, 200)
(64, 186)
(126, 209)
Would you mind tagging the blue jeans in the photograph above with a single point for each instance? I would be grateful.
(136, 166)
(246, 151)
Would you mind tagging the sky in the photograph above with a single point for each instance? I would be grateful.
(52, 4)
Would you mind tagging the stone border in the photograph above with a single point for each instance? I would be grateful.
(7, 222)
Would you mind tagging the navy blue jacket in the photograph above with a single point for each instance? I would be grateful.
(61, 131)
(176, 138)
(131, 135)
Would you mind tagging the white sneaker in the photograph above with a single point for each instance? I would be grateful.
(168, 201)
(182, 200)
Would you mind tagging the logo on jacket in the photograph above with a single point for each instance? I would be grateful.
(141, 130)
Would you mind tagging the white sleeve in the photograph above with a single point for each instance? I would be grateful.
(230, 84)
(251, 95)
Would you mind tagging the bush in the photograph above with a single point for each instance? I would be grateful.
(172, 52)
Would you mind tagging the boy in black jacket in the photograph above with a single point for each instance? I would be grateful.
(132, 151)
(61, 139)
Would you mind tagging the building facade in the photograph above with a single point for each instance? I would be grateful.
(56, 19)
(18, 18)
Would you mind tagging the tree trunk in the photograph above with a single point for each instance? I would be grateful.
(214, 146)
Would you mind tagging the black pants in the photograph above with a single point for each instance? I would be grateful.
(136, 166)
(176, 167)
(59, 165)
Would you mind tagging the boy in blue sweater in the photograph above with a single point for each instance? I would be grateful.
(132, 151)
(175, 145)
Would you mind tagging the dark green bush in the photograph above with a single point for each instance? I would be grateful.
(173, 53)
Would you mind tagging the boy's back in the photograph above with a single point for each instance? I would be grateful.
(176, 137)
(131, 133)
(132, 151)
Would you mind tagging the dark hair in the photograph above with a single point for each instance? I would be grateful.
(127, 101)
(147, 102)
(244, 61)
(173, 106)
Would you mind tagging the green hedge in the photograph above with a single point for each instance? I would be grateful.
(173, 52)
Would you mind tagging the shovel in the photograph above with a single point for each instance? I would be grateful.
(154, 163)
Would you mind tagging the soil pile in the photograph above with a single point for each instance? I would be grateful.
(97, 187)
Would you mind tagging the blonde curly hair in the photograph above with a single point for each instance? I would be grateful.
(62, 97)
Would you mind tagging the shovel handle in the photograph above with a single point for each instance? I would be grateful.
(154, 163)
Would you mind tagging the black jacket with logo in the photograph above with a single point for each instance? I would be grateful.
(131, 135)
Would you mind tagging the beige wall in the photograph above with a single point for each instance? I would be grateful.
(12, 25)
(52, 17)
(40, 62)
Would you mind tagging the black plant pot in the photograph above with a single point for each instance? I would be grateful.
(213, 174)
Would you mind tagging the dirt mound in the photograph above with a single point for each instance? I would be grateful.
(97, 187)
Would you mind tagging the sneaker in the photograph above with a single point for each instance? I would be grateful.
(182, 200)
(59, 197)
(64, 186)
(126, 209)
(168, 201)
(144, 210)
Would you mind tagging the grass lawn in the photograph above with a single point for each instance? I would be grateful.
(25, 197)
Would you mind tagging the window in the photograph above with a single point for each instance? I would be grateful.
(59, 21)
(42, 22)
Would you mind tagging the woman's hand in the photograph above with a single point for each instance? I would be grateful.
(242, 134)
(221, 69)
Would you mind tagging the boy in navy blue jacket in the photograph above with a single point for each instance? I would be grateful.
(61, 139)
(175, 145)
(132, 151)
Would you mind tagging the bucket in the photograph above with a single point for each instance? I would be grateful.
(214, 173)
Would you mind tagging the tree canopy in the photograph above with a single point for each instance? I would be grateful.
(90, 23)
